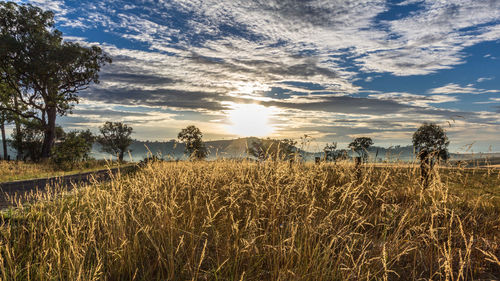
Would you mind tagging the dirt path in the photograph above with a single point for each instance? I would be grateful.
(24, 187)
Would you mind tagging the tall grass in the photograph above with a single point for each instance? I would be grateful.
(228, 220)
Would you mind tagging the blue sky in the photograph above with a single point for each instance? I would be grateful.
(331, 69)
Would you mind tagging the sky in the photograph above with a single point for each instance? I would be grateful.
(332, 69)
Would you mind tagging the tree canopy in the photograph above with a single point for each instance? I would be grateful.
(360, 146)
(430, 141)
(191, 136)
(45, 72)
(115, 138)
(75, 148)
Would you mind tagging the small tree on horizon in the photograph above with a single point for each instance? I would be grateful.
(191, 136)
(115, 138)
(330, 151)
(431, 144)
(360, 146)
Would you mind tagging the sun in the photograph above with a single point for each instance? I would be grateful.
(250, 120)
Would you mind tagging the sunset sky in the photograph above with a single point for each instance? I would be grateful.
(333, 69)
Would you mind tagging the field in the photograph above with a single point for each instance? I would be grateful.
(230, 220)
(19, 170)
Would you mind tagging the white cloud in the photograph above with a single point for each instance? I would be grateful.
(489, 101)
(482, 79)
(415, 100)
(453, 88)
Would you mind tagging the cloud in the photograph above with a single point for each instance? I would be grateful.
(415, 100)
(135, 79)
(453, 88)
(175, 98)
(482, 79)
(490, 100)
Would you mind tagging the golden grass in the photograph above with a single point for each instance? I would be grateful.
(19, 170)
(228, 220)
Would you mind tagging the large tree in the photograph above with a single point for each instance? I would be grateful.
(45, 71)
(191, 136)
(115, 138)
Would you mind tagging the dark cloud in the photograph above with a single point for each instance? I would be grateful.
(191, 100)
(132, 78)
(307, 69)
(108, 113)
(309, 11)
(345, 104)
(265, 68)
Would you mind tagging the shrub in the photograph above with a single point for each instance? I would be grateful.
(74, 148)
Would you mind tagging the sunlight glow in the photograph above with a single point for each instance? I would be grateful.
(250, 120)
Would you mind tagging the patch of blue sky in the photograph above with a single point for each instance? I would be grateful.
(281, 93)
(398, 10)
(476, 66)
(304, 85)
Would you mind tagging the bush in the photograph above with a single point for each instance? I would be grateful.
(73, 149)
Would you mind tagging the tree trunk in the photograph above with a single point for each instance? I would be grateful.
(50, 133)
(17, 121)
(425, 171)
(4, 141)
(120, 156)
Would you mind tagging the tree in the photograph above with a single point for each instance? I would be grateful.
(191, 136)
(305, 141)
(45, 71)
(330, 151)
(430, 143)
(360, 146)
(284, 149)
(115, 138)
(27, 140)
(75, 147)
(8, 100)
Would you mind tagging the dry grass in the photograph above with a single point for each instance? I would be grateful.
(19, 170)
(229, 220)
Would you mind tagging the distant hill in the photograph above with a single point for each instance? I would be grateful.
(236, 148)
